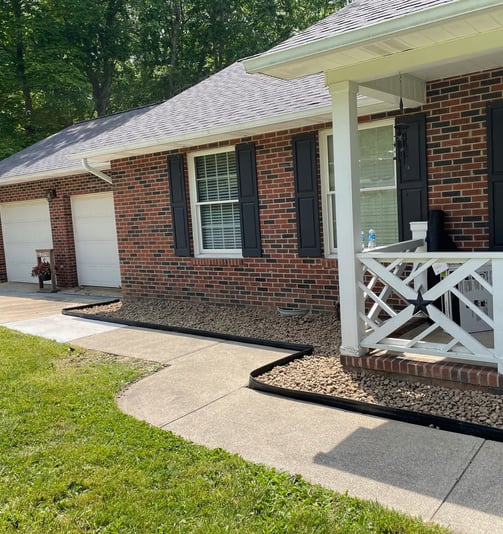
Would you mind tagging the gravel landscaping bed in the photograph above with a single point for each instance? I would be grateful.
(321, 372)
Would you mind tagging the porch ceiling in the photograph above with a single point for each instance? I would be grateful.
(431, 44)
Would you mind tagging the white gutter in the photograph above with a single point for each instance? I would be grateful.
(433, 15)
(44, 175)
(235, 129)
(95, 171)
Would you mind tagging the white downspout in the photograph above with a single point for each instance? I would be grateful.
(94, 171)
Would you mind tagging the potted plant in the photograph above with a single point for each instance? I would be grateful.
(42, 270)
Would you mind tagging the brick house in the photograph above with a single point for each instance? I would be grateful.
(226, 193)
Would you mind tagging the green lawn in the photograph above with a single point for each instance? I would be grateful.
(70, 462)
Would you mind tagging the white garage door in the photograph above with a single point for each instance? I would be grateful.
(26, 226)
(96, 240)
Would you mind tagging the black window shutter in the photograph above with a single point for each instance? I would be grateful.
(248, 200)
(306, 194)
(178, 205)
(412, 177)
(495, 173)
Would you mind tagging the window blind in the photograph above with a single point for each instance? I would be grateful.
(217, 195)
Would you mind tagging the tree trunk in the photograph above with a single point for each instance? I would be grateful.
(21, 67)
(175, 33)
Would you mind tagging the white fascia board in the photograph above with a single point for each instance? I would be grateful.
(228, 131)
(47, 175)
(273, 63)
(466, 47)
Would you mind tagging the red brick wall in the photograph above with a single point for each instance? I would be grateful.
(278, 278)
(61, 217)
(457, 184)
(457, 152)
(457, 172)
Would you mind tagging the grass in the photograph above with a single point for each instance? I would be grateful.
(71, 462)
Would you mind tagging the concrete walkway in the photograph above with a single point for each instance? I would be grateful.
(449, 478)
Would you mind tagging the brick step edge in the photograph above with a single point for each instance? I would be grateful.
(441, 373)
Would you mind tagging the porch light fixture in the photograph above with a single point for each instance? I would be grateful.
(50, 194)
(400, 143)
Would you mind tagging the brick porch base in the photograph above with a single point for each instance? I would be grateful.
(439, 373)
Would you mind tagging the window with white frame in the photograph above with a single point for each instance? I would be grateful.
(215, 203)
(378, 199)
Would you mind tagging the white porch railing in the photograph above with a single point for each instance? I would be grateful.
(395, 293)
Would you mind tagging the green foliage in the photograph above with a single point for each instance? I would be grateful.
(70, 462)
(63, 60)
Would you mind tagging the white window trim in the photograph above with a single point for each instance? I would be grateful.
(325, 191)
(326, 208)
(199, 251)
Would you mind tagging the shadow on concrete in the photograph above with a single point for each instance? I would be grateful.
(466, 471)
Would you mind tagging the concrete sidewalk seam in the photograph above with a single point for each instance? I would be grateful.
(458, 480)
(199, 408)
(176, 358)
(9, 324)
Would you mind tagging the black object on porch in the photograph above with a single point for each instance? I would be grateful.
(438, 240)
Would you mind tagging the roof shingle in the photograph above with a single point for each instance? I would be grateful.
(356, 15)
(227, 99)
(230, 99)
(51, 154)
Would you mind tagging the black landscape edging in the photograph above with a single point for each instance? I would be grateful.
(397, 414)
(300, 350)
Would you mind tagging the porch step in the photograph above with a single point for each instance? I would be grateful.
(436, 372)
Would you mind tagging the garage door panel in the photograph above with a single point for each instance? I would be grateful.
(18, 252)
(97, 274)
(26, 227)
(96, 252)
(95, 238)
(22, 212)
(96, 230)
(92, 205)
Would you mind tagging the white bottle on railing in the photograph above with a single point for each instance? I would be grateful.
(372, 238)
(363, 239)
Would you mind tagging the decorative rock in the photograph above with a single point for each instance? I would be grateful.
(322, 372)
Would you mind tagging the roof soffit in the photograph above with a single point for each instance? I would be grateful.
(483, 50)
(458, 25)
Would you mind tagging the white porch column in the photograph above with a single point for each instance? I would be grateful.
(347, 207)
(497, 266)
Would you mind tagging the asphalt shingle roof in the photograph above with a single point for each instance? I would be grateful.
(357, 15)
(226, 99)
(229, 99)
(51, 153)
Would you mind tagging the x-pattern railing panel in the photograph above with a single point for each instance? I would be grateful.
(394, 275)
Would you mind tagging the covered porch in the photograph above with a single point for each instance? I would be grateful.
(429, 304)
(388, 300)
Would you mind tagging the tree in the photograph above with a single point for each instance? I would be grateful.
(40, 91)
(95, 38)
(67, 60)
